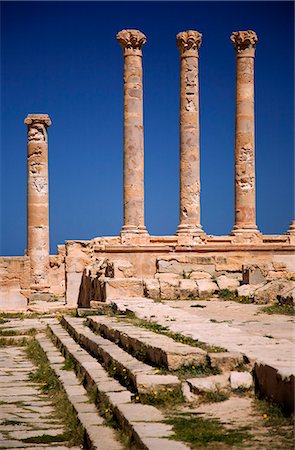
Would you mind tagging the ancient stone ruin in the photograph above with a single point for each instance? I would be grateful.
(188, 264)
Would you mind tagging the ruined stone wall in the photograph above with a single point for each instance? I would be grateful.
(15, 279)
(56, 274)
(14, 282)
(104, 268)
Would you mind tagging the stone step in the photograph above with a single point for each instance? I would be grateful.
(141, 377)
(226, 381)
(224, 361)
(97, 435)
(143, 423)
(160, 350)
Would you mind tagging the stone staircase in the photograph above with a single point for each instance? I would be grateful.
(120, 366)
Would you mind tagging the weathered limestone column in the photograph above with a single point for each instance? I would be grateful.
(245, 202)
(132, 42)
(188, 43)
(37, 201)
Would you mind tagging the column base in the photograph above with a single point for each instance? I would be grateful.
(185, 228)
(133, 235)
(249, 234)
(190, 235)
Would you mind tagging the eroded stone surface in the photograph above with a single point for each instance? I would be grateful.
(188, 43)
(132, 42)
(245, 207)
(37, 200)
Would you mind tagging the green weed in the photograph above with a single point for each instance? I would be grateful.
(197, 431)
(50, 385)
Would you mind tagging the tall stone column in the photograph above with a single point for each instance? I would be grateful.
(188, 43)
(37, 201)
(132, 42)
(245, 202)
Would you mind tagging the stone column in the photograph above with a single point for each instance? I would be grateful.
(37, 201)
(245, 202)
(188, 43)
(132, 42)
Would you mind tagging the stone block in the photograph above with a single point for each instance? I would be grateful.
(188, 289)
(198, 275)
(208, 384)
(183, 267)
(268, 293)
(279, 266)
(275, 385)
(167, 276)
(147, 383)
(252, 274)
(248, 290)
(123, 288)
(135, 412)
(12, 300)
(169, 289)
(225, 361)
(276, 275)
(152, 288)
(206, 288)
(287, 295)
(120, 268)
(225, 282)
(240, 380)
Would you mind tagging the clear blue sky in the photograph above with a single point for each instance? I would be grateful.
(62, 58)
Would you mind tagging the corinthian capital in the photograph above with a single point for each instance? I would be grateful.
(131, 41)
(189, 42)
(244, 41)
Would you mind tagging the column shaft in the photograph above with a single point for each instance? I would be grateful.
(245, 200)
(37, 200)
(188, 43)
(132, 42)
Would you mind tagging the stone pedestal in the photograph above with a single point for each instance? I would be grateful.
(245, 202)
(37, 201)
(132, 42)
(188, 43)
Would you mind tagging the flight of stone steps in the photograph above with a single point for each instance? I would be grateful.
(120, 366)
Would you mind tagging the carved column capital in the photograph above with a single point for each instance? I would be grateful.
(244, 42)
(131, 41)
(37, 125)
(189, 42)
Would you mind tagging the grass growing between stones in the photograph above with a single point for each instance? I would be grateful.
(69, 363)
(163, 398)
(10, 341)
(192, 371)
(277, 422)
(9, 332)
(279, 307)
(219, 395)
(50, 386)
(226, 294)
(199, 432)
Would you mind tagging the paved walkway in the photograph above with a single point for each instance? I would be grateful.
(25, 412)
(264, 338)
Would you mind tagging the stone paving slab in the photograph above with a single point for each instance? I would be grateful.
(274, 360)
(19, 417)
(98, 435)
(126, 413)
(166, 352)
